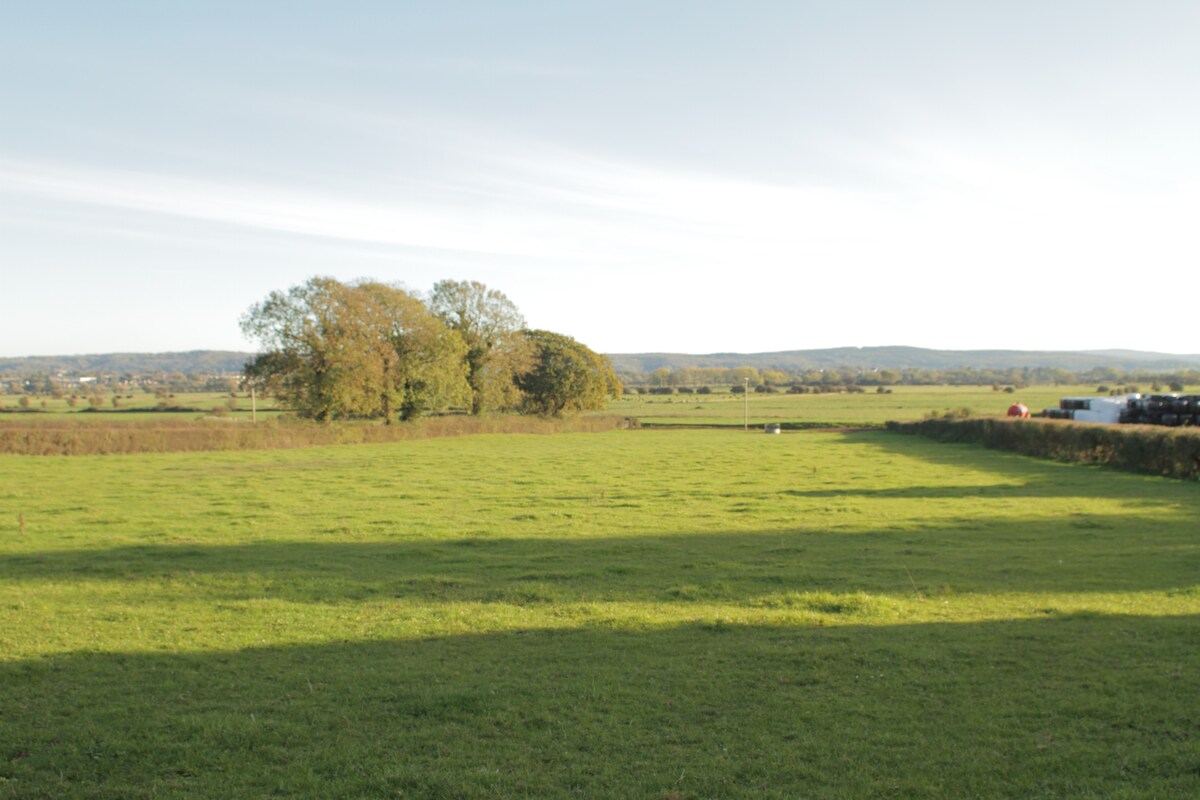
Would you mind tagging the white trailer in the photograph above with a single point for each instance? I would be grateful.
(1091, 409)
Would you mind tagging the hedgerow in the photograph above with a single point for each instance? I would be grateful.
(1172, 452)
(69, 437)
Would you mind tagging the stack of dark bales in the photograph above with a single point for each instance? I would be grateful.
(1067, 408)
(1163, 409)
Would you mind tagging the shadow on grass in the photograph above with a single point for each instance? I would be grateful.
(1103, 553)
(969, 554)
(1071, 706)
(1040, 477)
(942, 491)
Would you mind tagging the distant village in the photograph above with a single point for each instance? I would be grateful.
(64, 384)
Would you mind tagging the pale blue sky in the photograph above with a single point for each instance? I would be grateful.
(680, 176)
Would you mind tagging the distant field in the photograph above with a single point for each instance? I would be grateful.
(659, 614)
(719, 408)
(870, 408)
(141, 405)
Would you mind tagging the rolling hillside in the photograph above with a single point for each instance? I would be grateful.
(223, 361)
(908, 358)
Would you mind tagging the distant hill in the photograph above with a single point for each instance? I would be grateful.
(908, 358)
(191, 362)
(222, 361)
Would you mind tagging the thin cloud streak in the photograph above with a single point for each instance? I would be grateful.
(568, 210)
(933, 212)
(551, 204)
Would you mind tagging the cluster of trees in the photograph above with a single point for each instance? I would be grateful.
(855, 376)
(375, 350)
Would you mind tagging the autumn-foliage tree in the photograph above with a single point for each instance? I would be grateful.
(566, 376)
(490, 325)
(367, 349)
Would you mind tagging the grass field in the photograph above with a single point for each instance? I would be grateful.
(141, 405)
(661, 614)
(720, 408)
(870, 408)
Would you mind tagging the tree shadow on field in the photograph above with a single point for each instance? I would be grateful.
(1108, 553)
(1071, 706)
(1037, 477)
(944, 491)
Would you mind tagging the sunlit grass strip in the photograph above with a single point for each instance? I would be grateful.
(50, 620)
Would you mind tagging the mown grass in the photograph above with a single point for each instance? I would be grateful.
(665, 614)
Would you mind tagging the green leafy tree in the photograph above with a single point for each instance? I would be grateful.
(490, 326)
(566, 376)
(423, 363)
(739, 375)
(368, 350)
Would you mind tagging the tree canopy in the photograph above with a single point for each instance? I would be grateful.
(367, 349)
(566, 376)
(490, 325)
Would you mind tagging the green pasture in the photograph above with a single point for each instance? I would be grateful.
(139, 405)
(718, 409)
(869, 408)
(659, 614)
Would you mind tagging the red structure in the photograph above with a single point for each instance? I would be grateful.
(1018, 410)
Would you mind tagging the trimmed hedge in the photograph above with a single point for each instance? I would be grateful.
(1172, 452)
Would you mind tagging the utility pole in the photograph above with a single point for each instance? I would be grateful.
(746, 407)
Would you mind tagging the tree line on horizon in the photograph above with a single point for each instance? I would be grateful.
(849, 376)
(373, 350)
(43, 383)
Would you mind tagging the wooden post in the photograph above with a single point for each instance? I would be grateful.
(746, 406)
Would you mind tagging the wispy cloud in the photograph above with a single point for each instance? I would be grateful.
(937, 206)
(539, 205)
(273, 208)
(447, 65)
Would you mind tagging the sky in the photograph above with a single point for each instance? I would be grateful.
(648, 176)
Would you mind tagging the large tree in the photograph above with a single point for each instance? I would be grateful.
(490, 325)
(367, 349)
(566, 376)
